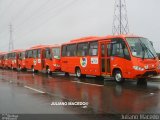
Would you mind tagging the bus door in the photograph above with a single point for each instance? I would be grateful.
(105, 62)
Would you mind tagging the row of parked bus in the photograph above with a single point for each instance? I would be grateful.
(121, 57)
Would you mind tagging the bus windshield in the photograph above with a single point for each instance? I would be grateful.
(141, 47)
(22, 55)
(56, 53)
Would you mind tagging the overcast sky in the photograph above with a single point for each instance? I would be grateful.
(57, 21)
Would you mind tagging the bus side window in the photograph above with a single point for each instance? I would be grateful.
(71, 50)
(64, 50)
(117, 50)
(103, 50)
(93, 49)
(120, 49)
(82, 49)
(47, 53)
(26, 54)
(30, 54)
(109, 50)
(34, 53)
(39, 53)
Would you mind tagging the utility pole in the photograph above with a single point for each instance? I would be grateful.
(120, 20)
(11, 45)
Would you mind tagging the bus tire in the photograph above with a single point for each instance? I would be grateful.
(33, 70)
(142, 82)
(19, 68)
(66, 74)
(48, 71)
(118, 76)
(11, 67)
(78, 72)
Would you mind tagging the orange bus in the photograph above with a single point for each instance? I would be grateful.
(34, 58)
(13, 59)
(121, 57)
(52, 59)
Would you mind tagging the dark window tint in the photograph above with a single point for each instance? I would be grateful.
(64, 50)
(35, 53)
(93, 49)
(30, 54)
(71, 50)
(108, 50)
(103, 50)
(56, 53)
(120, 49)
(48, 53)
(39, 53)
(82, 49)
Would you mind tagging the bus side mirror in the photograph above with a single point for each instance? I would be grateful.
(151, 43)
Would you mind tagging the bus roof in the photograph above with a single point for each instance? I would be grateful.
(37, 47)
(54, 45)
(3, 53)
(17, 50)
(97, 38)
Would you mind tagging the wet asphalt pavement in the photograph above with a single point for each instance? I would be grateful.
(27, 93)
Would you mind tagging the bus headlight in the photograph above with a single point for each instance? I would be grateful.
(56, 65)
(138, 68)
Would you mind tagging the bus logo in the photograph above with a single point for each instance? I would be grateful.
(83, 61)
(94, 60)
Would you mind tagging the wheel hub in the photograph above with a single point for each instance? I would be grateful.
(118, 77)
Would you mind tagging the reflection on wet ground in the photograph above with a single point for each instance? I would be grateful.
(103, 96)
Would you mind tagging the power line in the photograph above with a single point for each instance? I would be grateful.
(51, 17)
(54, 9)
(33, 14)
(7, 8)
(20, 12)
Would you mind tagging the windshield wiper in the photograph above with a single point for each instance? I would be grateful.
(145, 50)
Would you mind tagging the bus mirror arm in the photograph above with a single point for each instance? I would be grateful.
(123, 46)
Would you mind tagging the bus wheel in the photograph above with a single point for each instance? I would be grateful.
(66, 74)
(142, 82)
(118, 76)
(19, 68)
(33, 70)
(12, 67)
(48, 71)
(78, 72)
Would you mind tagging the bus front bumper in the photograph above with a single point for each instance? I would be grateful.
(143, 74)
